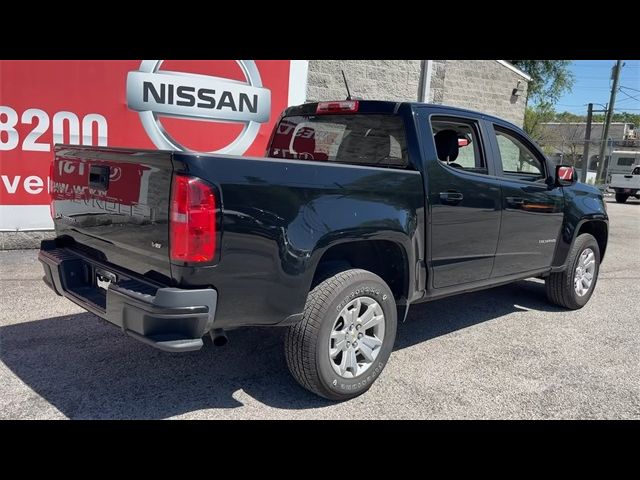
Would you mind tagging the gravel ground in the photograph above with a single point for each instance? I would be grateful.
(500, 353)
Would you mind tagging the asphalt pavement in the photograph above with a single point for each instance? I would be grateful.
(499, 353)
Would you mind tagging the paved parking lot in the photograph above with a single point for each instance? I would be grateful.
(500, 353)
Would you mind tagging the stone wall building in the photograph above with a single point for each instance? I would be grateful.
(492, 86)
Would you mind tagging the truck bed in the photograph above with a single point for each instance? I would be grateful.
(277, 218)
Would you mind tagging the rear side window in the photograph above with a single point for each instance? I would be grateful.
(377, 140)
(457, 144)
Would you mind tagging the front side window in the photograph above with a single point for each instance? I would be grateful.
(517, 159)
(364, 139)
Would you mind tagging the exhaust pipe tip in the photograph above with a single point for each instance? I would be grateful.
(219, 337)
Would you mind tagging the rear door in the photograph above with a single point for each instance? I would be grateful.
(464, 197)
(532, 207)
(114, 205)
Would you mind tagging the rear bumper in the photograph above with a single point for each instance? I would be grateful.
(167, 318)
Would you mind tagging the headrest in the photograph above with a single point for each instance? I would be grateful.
(447, 145)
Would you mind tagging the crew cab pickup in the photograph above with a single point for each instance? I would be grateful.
(626, 185)
(359, 210)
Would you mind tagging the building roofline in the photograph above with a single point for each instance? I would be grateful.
(514, 69)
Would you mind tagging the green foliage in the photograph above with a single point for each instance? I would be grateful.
(549, 79)
(534, 116)
(624, 117)
(568, 117)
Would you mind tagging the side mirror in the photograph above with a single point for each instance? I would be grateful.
(565, 175)
(464, 140)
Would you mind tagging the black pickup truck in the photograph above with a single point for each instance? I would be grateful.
(358, 210)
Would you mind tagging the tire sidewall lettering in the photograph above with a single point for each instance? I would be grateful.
(362, 292)
(360, 384)
(382, 295)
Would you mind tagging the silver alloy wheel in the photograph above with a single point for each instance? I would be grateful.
(585, 271)
(356, 337)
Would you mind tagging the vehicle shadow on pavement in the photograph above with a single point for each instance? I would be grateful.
(88, 369)
(433, 319)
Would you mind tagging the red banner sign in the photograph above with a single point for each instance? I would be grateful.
(223, 106)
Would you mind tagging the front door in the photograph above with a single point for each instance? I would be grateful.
(464, 200)
(532, 207)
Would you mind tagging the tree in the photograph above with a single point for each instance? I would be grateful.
(549, 79)
(534, 117)
(568, 117)
(625, 117)
(572, 142)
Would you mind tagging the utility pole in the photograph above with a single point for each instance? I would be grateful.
(607, 120)
(587, 141)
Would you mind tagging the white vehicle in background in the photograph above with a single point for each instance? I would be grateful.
(623, 161)
(626, 185)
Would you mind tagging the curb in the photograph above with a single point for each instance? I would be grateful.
(24, 240)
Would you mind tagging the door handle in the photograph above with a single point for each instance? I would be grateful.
(515, 201)
(451, 197)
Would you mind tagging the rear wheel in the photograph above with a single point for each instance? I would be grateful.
(621, 197)
(573, 287)
(345, 337)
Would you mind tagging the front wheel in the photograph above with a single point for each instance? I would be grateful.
(621, 197)
(573, 287)
(345, 337)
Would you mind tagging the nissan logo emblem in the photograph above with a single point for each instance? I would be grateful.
(152, 92)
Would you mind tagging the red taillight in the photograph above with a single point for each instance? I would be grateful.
(192, 220)
(52, 208)
(345, 106)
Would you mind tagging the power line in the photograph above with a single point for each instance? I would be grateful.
(630, 96)
(627, 99)
(593, 65)
(591, 88)
(567, 105)
(595, 77)
(629, 88)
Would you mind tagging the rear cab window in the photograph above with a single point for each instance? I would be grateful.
(360, 139)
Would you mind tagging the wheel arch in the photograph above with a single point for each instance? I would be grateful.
(386, 258)
(600, 231)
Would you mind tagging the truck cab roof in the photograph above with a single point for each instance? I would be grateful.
(391, 107)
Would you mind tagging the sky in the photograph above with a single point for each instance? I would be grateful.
(593, 84)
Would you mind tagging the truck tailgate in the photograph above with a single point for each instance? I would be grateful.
(619, 180)
(113, 204)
